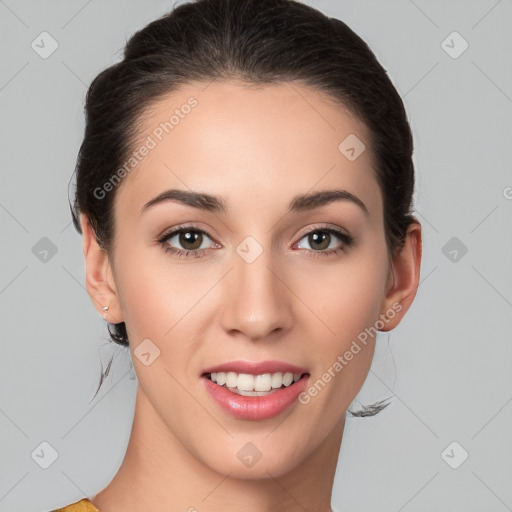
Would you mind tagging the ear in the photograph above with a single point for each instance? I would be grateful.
(99, 279)
(404, 277)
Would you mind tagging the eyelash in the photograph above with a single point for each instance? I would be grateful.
(346, 242)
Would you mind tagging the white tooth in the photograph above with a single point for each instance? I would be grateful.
(258, 383)
(245, 382)
(231, 378)
(277, 380)
(263, 382)
(244, 393)
(255, 393)
(287, 378)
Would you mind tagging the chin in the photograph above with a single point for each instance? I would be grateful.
(254, 457)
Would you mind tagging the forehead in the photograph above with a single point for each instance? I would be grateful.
(250, 143)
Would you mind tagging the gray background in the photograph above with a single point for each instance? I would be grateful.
(448, 364)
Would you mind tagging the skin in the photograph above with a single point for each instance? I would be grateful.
(257, 147)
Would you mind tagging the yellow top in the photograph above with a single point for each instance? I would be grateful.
(84, 505)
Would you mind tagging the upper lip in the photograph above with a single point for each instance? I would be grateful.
(256, 367)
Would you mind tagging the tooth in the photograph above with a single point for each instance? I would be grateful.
(257, 383)
(287, 378)
(255, 393)
(231, 378)
(245, 382)
(263, 382)
(243, 392)
(277, 380)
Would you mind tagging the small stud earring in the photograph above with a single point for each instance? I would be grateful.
(105, 309)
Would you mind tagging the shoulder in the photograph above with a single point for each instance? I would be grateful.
(84, 505)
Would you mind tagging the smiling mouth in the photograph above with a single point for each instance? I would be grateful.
(254, 385)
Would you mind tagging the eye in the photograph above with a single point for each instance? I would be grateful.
(322, 238)
(190, 238)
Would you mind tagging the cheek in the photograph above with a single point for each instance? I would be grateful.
(348, 298)
(348, 302)
(155, 295)
(164, 301)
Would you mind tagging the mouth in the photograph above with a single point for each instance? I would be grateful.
(246, 384)
(255, 391)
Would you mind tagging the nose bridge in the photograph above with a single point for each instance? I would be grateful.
(256, 303)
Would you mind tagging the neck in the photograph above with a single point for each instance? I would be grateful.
(159, 474)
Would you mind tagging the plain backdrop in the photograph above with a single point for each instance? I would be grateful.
(445, 441)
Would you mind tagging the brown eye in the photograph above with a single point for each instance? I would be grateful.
(185, 241)
(320, 241)
(190, 239)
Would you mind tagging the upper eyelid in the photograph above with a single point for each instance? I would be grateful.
(177, 229)
(325, 227)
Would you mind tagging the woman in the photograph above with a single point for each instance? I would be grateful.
(244, 191)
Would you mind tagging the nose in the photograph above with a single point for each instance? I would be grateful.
(257, 300)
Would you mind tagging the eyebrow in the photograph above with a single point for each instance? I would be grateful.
(217, 204)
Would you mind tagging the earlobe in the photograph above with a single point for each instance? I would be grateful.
(404, 279)
(99, 280)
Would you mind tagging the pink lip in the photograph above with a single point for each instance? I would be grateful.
(255, 407)
(256, 368)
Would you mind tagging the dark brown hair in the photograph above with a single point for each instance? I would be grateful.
(258, 42)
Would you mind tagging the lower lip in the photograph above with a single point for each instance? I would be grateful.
(255, 407)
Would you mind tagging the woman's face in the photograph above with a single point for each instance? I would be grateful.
(266, 279)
